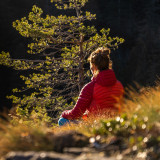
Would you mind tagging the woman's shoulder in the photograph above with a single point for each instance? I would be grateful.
(89, 85)
(119, 84)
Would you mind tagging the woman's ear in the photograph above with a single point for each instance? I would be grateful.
(94, 69)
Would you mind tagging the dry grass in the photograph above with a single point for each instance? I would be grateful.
(22, 137)
(84, 127)
(31, 136)
(145, 103)
(25, 137)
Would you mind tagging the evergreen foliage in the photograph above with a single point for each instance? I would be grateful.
(62, 45)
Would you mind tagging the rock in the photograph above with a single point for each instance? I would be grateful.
(69, 139)
(37, 156)
(115, 145)
(155, 130)
(78, 151)
(94, 156)
(56, 156)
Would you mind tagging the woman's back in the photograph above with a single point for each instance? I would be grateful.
(106, 93)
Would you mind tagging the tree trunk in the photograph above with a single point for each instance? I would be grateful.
(81, 64)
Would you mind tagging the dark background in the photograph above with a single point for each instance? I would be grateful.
(137, 21)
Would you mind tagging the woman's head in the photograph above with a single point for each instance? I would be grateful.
(100, 60)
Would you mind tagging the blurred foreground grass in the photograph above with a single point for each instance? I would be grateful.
(138, 125)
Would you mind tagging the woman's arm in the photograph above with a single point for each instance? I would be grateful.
(82, 104)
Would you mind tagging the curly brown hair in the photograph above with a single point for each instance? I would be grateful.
(101, 58)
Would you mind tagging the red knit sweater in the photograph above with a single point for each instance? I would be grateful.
(97, 96)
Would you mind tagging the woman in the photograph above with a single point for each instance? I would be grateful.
(100, 96)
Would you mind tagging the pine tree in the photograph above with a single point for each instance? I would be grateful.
(62, 45)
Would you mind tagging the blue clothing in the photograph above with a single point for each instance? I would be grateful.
(62, 121)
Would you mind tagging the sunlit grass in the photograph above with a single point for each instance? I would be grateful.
(30, 136)
(145, 103)
(22, 137)
(35, 134)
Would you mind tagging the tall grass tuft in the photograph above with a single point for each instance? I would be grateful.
(18, 135)
(145, 103)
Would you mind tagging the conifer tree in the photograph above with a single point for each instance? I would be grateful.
(62, 45)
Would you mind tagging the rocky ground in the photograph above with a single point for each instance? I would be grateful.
(72, 154)
(76, 146)
(79, 154)
(72, 145)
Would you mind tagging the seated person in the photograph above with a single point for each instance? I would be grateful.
(100, 96)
